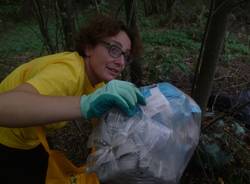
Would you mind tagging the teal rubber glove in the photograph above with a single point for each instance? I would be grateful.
(121, 94)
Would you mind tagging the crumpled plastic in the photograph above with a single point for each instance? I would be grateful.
(154, 146)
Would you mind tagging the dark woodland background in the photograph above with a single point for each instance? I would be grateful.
(200, 46)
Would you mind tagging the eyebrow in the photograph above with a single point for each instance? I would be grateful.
(118, 43)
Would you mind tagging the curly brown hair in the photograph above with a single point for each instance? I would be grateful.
(102, 26)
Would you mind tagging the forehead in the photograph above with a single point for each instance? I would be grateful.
(121, 39)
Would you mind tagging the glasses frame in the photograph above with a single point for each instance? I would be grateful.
(109, 46)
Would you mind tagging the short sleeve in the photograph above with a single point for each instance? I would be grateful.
(57, 79)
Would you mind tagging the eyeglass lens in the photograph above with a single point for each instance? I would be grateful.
(115, 52)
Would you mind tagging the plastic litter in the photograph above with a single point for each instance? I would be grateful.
(152, 147)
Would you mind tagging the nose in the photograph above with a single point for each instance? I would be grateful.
(120, 60)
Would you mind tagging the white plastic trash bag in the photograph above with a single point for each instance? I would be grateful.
(152, 147)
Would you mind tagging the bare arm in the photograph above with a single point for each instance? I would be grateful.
(24, 106)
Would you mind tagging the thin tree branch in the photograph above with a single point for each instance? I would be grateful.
(119, 8)
(231, 112)
(199, 60)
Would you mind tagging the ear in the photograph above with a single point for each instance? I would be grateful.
(88, 50)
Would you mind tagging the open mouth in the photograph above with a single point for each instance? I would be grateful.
(113, 71)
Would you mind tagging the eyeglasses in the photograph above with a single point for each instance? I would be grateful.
(116, 52)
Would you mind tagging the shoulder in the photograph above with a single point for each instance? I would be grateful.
(73, 57)
(71, 61)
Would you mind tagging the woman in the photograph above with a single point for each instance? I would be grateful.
(62, 87)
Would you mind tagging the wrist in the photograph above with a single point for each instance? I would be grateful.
(84, 106)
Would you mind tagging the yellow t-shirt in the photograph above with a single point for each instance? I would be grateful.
(60, 74)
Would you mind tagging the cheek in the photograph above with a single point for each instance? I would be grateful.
(97, 60)
(98, 67)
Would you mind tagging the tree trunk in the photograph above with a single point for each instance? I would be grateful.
(41, 14)
(67, 13)
(96, 6)
(135, 67)
(213, 41)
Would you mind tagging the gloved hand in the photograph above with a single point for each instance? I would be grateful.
(116, 93)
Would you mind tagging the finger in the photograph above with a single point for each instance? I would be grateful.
(125, 90)
(122, 104)
(110, 100)
(140, 98)
(105, 102)
(129, 94)
(132, 111)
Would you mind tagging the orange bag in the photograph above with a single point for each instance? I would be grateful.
(61, 170)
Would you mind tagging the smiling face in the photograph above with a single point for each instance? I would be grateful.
(100, 64)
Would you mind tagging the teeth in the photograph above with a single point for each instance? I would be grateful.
(113, 70)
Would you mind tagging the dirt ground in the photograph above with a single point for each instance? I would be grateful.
(72, 140)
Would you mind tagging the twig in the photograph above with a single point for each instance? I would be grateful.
(119, 8)
(222, 77)
(231, 112)
(230, 74)
(97, 6)
(215, 99)
(78, 127)
(7, 64)
(237, 85)
(237, 140)
(202, 165)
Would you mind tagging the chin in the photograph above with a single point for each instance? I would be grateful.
(109, 78)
